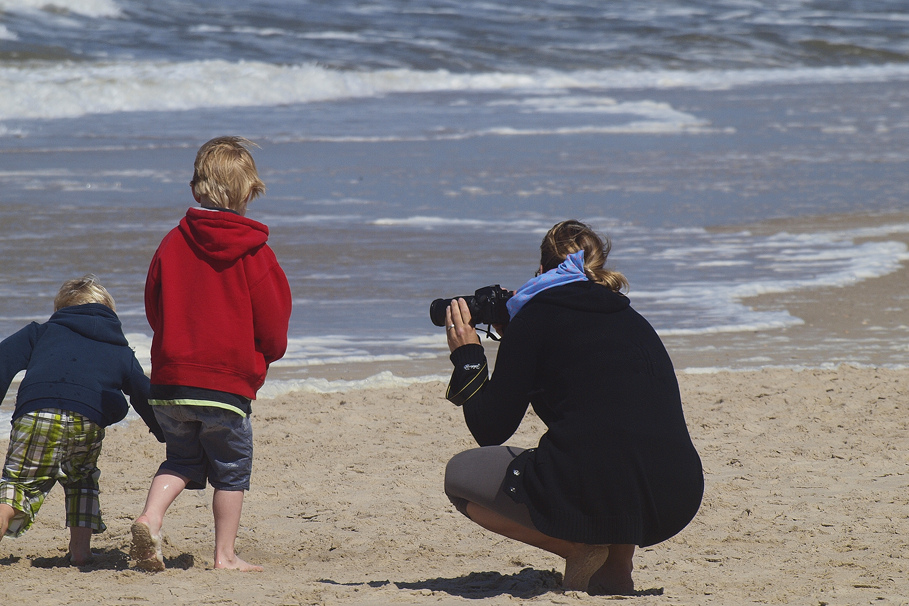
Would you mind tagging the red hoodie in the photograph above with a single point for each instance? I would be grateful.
(218, 302)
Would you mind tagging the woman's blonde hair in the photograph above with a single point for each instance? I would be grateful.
(80, 291)
(225, 173)
(571, 236)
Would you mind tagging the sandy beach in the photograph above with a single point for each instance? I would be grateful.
(806, 503)
(807, 494)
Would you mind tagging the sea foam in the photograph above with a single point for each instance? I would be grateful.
(87, 8)
(73, 89)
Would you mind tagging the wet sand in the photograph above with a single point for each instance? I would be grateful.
(866, 323)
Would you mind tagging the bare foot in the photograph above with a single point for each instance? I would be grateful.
(146, 548)
(580, 567)
(611, 587)
(80, 545)
(79, 560)
(235, 563)
(614, 577)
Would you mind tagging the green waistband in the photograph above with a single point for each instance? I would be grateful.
(187, 402)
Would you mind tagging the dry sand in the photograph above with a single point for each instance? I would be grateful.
(807, 502)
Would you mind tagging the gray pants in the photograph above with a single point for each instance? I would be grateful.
(476, 476)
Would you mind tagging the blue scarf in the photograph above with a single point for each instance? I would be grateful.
(570, 270)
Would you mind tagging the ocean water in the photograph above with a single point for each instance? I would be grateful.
(421, 150)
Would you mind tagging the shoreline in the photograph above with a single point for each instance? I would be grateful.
(872, 313)
(875, 310)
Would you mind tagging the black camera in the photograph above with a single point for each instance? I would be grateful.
(487, 306)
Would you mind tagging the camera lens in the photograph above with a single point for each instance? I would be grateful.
(437, 311)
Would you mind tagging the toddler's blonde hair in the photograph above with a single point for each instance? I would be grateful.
(79, 291)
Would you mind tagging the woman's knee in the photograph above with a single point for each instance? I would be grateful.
(476, 474)
(456, 472)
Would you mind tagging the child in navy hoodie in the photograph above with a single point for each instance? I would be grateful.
(77, 367)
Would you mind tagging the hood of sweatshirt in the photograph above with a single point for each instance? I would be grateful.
(222, 235)
(583, 296)
(92, 320)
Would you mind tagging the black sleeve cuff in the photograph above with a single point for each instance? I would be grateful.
(469, 375)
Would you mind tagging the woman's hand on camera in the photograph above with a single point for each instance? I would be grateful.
(457, 325)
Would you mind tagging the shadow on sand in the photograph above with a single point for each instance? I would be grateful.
(529, 583)
(110, 559)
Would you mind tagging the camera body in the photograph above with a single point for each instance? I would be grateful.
(487, 306)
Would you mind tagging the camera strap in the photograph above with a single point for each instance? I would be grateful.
(488, 331)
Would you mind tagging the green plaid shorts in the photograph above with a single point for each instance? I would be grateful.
(46, 447)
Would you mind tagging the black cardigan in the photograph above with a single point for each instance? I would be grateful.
(617, 464)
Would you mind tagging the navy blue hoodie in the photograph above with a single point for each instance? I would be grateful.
(79, 361)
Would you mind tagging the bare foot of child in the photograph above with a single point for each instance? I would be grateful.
(146, 548)
(79, 559)
(580, 567)
(235, 563)
(80, 545)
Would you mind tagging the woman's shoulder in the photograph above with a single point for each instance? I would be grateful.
(582, 296)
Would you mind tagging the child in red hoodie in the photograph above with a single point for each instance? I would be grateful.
(219, 306)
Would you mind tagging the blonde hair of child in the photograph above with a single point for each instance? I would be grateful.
(225, 173)
(79, 291)
(571, 236)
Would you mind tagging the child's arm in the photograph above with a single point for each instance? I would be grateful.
(15, 353)
(137, 390)
(272, 303)
(153, 293)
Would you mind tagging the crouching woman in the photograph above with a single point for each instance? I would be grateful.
(616, 467)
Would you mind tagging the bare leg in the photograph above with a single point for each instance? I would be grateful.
(614, 577)
(146, 546)
(80, 540)
(227, 505)
(6, 514)
(165, 488)
(581, 560)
